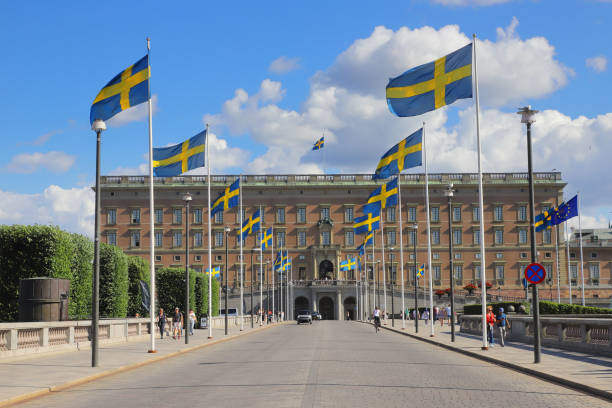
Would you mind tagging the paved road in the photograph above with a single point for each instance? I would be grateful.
(327, 364)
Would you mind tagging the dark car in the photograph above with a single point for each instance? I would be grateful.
(316, 316)
(304, 316)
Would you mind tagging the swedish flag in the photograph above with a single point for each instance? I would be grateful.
(319, 144)
(367, 223)
(421, 271)
(433, 85)
(405, 154)
(386, 194)
(266, 239)
(250, 225)
(129, 88)
(288, 264)
(216, 272)
(348, 265)
(228, 199)
(369, 239)
(174, 160)
(281, 259)
(544, 220)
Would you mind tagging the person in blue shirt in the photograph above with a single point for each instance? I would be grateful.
(502, 324)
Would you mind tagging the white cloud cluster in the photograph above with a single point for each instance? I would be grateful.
(135, 114)
(598, 63)
(27, 163)
(283, 65)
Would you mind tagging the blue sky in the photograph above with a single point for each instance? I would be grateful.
(214, 62)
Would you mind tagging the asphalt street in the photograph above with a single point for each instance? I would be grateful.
(326, 364)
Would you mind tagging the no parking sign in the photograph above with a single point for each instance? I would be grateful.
(535, 273)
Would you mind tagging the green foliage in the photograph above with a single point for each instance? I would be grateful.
(82, 271)
(201, 293)
(547, 308)
(28, 251)
(476, 309)
(138, 269)
(113, 281)
(170, 286)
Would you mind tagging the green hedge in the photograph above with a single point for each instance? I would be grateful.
(476, 309)
(547, 308)
(82, 272)
(170, 287)
(113, 281)
(201, 293)
(138, 269)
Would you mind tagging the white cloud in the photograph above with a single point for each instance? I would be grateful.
(283, 65)
(470, 2)
(597, 64)
(70, 209)
(45, 137)
(27, 163)
(137, 113)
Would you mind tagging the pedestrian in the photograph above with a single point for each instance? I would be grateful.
(177, 323)
(502, 325)
(348, 315)
(192, 320)
(490, 324)
(269, 316)
(425, 315)
(449, 315)
(161, 322)
(436, 314)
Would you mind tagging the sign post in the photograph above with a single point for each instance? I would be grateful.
(535, 274)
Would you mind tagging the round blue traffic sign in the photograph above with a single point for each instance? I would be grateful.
(535, 273)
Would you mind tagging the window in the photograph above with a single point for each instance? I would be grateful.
(572, 255)
(135, 219)
(547, 254)
(412, 214)
(197, 239)
(435, 255)
(476, 213)
(391, 214)
(301, 215)
(176, 258)
(301, 257)
(522, 236)
(456, 214)
(436, 272)
(498, 213)
(477, 255)
(593, 255)
(477, 272)
(197, 258)
(135, 239)
(457, 236)
(325, 238)
(458, 255)
(301, 237)
(391, 237)
(348, 215)
(594, 271)
(325, 213)
(476, 237)
(435, 237)
(349, 238)
(499, 237)
(574, 272)
(524, 255)
(458, 272)
(111, 216)
(546, 236)
(159, 215)
(197, 215)
(218, 239)
(280, 238)
(280, 215)
(522, 213)
(258, 238)
(177, 239)
(111, 238)
(499, 272)
(159, 239)
(411, 256)
(301, 273)
(177, 215)
(548, 269)
(219, 217)
(391, 257)
(435, 214)
(499, 255)
(158, 258)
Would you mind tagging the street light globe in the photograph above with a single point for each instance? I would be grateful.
(527, 114)
(415, 226)
(98, 125)
(187, 197)
(227, 229)
(449, 192)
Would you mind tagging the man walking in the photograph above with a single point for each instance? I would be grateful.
(502, 324)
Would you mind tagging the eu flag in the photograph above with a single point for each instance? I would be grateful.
(250, 225)
(405, 154)
(174, 160)
(129, 88)
(433, 85)
(386, 194)
(566, 211)
(228, 199)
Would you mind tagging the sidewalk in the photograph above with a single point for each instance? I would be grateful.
(585, 372)
(33, 375)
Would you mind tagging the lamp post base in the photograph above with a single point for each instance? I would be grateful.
(210, 337)
(152, 351)
(484, 348)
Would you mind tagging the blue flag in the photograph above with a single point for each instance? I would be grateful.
(566, 211)
(544, 220)
(250, 225)
(228, 199)
(405, 154)
(386, 194)
(129, 88)
(367, 223)
(319, 144)
(348, 265)
(266, 239)
(174, 160)
(433, 85)
(421, 271)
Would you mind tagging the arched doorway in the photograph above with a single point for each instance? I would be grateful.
(349, 307)
(301, 303)
(326, 270)
(326, 308)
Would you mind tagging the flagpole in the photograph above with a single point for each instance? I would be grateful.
(431, 302)
(287, 286)
(210, 311)
(382, 236)
(569, 272)
(374, 270)
(558, 270)
(272, 271)
(151, 210)
(261, 257)
(580, 237)
(399, 194)
(483, 264)
(241, 245)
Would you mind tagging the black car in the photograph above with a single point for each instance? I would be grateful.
(304, 316)
(316, 316)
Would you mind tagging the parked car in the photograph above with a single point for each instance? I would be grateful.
(316, 316)
(304, 316)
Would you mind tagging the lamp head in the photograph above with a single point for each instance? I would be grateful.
(227, 229)
(187, 197)
(415, 226)
(527, 114)
(449, 192)
(98, 125)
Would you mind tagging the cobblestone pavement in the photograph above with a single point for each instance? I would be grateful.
(326, 364)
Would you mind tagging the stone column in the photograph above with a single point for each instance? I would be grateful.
(339, 301)
(313, 296)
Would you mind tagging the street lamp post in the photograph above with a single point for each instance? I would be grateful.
(449, 192)
(98, 126)
(187, 199)
(527, 117)
(252, 283)
(227, 231)
(268, 291)
(392, 285)
(415, 228)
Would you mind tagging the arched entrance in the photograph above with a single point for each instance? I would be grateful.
(349, 307)
(326, 308)
(301, 303)
(326, 270)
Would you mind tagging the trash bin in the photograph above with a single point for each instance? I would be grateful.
(43, 299)
(203, 323)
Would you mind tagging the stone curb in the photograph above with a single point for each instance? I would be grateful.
(525, 370)
(112, 371)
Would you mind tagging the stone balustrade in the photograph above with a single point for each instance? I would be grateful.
(586, 335)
